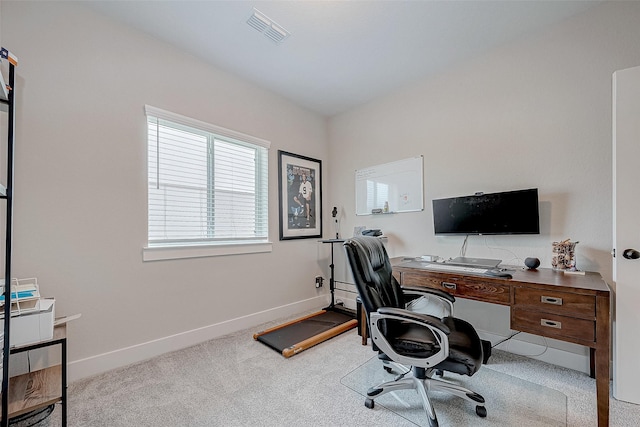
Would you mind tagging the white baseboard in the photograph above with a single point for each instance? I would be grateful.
(100, 363)
(566, 359)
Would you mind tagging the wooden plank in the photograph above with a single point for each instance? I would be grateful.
(60, 331)
(34, 390)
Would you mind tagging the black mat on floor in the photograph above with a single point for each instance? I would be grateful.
(292, 334)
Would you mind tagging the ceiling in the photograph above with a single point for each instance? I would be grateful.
(340, 54)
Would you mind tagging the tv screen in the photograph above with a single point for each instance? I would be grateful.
(509, 212)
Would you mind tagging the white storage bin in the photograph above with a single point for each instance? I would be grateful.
(33, 326)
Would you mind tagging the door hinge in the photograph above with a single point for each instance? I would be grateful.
(613, 252)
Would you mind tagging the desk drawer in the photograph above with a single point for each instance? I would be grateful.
(551, 301)
(552, 325)
(468, 287)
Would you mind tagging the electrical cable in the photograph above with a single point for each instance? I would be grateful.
(463, 249)
(401, 375)
(515, 256)
(504, 340)
(546, 346)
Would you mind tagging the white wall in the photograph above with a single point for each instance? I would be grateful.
(80, 199)
(533, 113)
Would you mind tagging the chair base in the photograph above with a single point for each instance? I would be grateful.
(421, 380)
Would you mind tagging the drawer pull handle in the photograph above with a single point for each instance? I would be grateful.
(551, 323)
(450, 286)
(551, 300)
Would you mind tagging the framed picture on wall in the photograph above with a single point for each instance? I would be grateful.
(299, 196)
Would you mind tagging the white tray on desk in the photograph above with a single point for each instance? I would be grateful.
(25, 295)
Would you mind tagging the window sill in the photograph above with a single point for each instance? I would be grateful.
(159, 253)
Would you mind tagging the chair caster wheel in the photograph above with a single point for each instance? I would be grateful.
(388, 369)
(369, 403)
(481, 411)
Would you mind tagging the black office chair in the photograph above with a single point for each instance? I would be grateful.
(424, 342)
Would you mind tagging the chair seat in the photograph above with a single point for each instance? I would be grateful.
(465, 347)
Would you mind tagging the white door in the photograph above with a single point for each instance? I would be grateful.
(626, 234)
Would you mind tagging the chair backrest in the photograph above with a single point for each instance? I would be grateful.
(372, 274)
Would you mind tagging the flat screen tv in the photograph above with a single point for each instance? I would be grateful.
(509, 212)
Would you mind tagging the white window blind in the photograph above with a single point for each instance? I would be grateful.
(207, 185)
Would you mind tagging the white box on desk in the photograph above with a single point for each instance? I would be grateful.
(33, 326)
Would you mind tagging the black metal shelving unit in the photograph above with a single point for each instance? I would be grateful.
(332, 282)
(7, 99)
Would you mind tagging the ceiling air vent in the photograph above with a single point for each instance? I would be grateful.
(266, 26)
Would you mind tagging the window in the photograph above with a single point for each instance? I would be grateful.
(207, 185)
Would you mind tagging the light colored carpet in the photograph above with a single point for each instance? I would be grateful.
(236, 381)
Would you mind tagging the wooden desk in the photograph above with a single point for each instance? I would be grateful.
(571, 308)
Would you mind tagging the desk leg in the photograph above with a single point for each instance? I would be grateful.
(603, 341)
(364, 328)
(361, 315)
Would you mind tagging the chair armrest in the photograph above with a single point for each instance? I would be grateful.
(414, 317)
(414, 290)
(446, 298)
